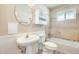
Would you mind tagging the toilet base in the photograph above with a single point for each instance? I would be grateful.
(47, 51)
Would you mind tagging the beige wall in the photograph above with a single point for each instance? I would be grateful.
(65, 29)
(7, 15)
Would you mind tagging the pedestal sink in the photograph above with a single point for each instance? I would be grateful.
(28, 42)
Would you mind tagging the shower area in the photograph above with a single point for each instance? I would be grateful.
(64, 27)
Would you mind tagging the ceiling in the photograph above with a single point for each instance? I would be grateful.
(52, 5)
(47, 5)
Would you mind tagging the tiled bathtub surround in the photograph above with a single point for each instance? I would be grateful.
(67, 29)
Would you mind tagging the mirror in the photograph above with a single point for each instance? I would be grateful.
(23, 13)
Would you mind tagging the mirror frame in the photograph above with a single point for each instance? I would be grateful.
(23, 23)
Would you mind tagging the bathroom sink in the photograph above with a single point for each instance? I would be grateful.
(24, 41)
(28, 42)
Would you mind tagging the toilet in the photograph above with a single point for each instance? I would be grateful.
(46, 46)
(49, 47)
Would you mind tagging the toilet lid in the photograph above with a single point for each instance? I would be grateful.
(50, 45)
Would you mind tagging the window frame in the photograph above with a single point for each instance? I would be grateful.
(74, 11)
(65, 14)
(61, 12)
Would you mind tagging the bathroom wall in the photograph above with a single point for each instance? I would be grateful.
(68, 29)
(7, 15)
(8, 43)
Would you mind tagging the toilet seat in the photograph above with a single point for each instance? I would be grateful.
(50, 45)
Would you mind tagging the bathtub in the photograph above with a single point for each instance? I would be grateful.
(66, 45)
(65, 42)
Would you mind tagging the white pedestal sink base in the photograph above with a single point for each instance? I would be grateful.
(29, 49)
(28, 42)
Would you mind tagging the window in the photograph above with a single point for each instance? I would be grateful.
(61, 16)
(66, 15)
(70, 14)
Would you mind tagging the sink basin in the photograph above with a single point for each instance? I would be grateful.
(27, 40)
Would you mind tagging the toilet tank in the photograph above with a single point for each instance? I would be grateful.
(42, 36)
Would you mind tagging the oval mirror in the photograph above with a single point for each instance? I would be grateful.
(23, 13)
